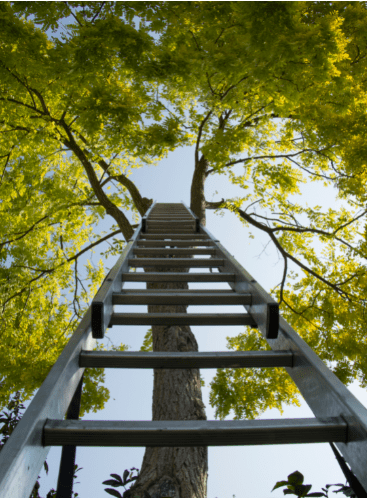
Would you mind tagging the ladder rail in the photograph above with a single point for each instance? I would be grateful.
(324, 393)
(326, 396)
(102, 307)
(264, 309)
(23, 455)
(339, 415)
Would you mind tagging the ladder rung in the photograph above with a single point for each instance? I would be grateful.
(176, 217)
(176, 298)
(178, 277)
(174, 223)
(188, 262)
(183, 236)
(178, 243)
(178, 291)
(193, 432)
(168, 359)
(174, 251)
(163, 231)
(182, 319)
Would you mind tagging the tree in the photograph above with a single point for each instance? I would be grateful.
(272, 96)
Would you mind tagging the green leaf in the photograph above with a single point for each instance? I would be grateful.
(125, 475)
(279, 484)
(296, 478)
(112, 482)
(113, 492)
(117, 477)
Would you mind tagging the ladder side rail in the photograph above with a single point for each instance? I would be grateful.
(264, 309)
(321, 389)
(144, 218)
(24, 453)
(327, 396)
(102, 307)
(197, 224)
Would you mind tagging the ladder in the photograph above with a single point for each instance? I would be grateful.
(169, 237)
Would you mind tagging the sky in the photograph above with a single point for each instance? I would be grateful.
(243, 472)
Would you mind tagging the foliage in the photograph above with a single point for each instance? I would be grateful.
(95, 394)
(248, 392)
(271, 94)
(118, 481)
(147, 341)
(294, 486)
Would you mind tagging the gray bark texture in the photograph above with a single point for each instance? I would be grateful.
(173, 472)
(198, 202)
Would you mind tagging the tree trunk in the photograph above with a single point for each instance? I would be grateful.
(198, 202)
(173, 472)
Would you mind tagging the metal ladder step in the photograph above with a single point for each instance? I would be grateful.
(179, 298)
(175, 262)
(193, 432)
(178, 243)
(159, 231)
(182, 319)
(183, 236)
(182, 292)
(171, 218)
(173, 251)
(177, 277)
(174, 222)
(143, 359)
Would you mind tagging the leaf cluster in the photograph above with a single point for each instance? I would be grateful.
(118, 481)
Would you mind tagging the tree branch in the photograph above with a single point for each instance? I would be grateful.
(109, 206)
(270, 231)
(285, 254)
(98, 12)
(141, 203)
(76, 256)
(44, 272)
(72, 13)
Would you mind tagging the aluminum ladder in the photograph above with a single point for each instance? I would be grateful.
(173, 230)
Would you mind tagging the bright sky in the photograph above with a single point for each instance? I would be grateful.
(246, 472)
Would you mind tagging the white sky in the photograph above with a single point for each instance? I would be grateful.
(246, 472)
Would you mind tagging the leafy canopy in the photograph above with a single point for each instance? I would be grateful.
(272, 97)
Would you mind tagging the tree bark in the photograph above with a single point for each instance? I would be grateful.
(173, 472)
(198, 201)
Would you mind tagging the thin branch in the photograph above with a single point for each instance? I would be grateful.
(349, 222)
(98, 13)
(24, 233)
(44, 272)
(199, 135)
(93, 245)
(283, 280)
(284, 253)
(72, 13)
(233, 86)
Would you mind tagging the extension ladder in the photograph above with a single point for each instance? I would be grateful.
(173, 230)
